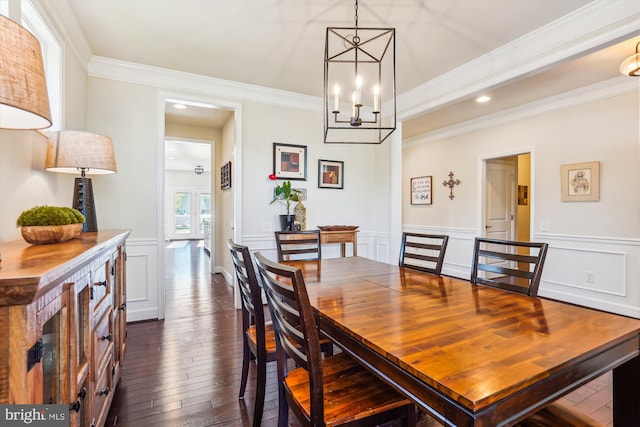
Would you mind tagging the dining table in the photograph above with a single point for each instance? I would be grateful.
(471, 355)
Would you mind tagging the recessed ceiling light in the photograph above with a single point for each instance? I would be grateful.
(483, 98)
(179, 106)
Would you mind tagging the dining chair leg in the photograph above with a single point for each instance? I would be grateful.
(261, 387)
(246, 355)
(411, 419)
(283, 405)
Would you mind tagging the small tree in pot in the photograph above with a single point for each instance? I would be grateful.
(284, 193)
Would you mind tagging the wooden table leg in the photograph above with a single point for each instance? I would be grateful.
(355, 244)
(626, 394)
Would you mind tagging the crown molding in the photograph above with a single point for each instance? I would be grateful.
(163, 78)
(65, 24)
(602, 90)
(598, 23)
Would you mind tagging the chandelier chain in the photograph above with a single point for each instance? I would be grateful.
(355, 7)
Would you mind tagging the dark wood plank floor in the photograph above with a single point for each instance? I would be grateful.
(185, 370)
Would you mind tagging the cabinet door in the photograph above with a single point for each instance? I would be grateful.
(50, 355)
(119, 310)
(81, 352)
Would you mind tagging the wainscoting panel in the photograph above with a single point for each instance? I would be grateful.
(143, 288)
(597, 272)
(601, 273)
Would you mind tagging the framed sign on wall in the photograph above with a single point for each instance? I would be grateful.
(421, 190)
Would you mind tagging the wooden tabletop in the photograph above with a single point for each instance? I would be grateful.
(25, 269)
(475, 354)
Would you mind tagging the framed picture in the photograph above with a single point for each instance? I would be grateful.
(330, 174)
(421, 190)
(523, 195)
(225, 176)
(290, 161)
(580, 182)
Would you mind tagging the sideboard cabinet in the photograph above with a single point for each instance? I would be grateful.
(63, 323)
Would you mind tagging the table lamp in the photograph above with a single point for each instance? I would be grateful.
(24, 101)
(84, 153)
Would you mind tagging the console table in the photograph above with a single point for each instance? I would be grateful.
(63, 324)
(342, 237)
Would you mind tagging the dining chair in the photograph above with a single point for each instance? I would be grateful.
(333, 391)
(298, 245)
(258, 336)
(508, 264)
(424, 252)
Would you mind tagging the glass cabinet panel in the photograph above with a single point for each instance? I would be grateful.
(51, 339)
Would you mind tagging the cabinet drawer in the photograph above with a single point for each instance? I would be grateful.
(100, 289)
(102, 340)
(102, 395)
(337, 237)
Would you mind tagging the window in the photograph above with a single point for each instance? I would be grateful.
(52, 57)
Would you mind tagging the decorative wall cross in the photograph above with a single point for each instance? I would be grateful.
(450, 184)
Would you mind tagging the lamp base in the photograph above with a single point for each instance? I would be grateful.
(83, 201)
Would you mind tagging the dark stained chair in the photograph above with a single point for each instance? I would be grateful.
(334, 391)
(424, 252)
(258, 336)
(259, 339)
(507, 264)
(298, 245)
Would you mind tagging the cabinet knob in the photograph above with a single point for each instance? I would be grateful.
(78, 403)
(103, 283)
(122, 306)
(104, 392)
(106, 337)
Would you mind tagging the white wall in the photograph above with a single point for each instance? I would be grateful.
(23, 180)
(122, 106)
(601, 237)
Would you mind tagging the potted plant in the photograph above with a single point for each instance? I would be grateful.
(284, 193)
(50, 224)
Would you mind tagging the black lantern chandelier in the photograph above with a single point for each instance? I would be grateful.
(359, 84)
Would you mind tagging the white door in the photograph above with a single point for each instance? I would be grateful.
(500, 206)
(187, 210)
(499, 199)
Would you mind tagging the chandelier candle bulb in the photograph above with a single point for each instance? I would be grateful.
(353, 99)
(358, 92)
(336, 101)
(376, 99)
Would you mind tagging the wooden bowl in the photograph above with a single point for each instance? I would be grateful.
(44, 234)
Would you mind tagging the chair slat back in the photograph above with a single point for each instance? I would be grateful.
(299, 245)
(297, 334)
(250, 293)
(507, 264)
(424, 252)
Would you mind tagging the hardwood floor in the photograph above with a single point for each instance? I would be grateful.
(185, 370)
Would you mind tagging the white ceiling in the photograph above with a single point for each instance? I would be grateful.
(280, 44)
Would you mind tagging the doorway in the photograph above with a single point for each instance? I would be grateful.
(507, 197)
